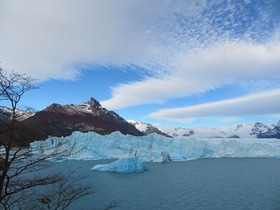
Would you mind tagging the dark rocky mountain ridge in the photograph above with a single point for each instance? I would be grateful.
(62, 120)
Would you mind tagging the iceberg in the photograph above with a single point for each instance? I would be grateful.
(124, 165)
(154, 147)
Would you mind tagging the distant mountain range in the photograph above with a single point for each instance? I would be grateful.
(247, 130)
(62, 120)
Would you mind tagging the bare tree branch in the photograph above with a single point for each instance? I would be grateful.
(20, 179)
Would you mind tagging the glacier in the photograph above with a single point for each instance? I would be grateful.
(123, 165)
(153, 147)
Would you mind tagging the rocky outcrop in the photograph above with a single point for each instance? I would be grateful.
(189, 133)
(271, 133)
(259, 128)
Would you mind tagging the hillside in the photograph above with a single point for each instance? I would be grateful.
(62, 120)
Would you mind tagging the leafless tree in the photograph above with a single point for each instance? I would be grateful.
(20, 183)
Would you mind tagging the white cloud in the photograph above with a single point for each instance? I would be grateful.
(47, 38)
(203, 70)
(265, 103)
(189, 47)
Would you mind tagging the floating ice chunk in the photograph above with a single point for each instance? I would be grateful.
(59, 159)
(124, 165)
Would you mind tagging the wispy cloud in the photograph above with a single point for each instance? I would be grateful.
(265, 103)
(201, 71)
(47, 38)
(186, 47)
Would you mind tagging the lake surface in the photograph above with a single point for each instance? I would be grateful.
(225, 183)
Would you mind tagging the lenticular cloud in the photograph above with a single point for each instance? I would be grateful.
(203, 70)
(264, 103)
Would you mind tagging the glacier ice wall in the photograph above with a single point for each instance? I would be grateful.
(150, 148)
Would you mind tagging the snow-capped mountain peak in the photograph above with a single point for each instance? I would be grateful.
(6, 114)
(259, 128)
(88, 106)
(246, 130)
(147, 128)
(62, 120)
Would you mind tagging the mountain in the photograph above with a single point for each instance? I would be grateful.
(6, 114)
(6, 122)
(62, 120)
(259, 128)
(273, 132)
(248, 130)
(147, 128)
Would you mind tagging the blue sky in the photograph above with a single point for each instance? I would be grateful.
(169, 62)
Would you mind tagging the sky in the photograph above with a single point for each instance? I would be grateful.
(165, 62)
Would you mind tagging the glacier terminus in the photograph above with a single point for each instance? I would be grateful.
(156, 148)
